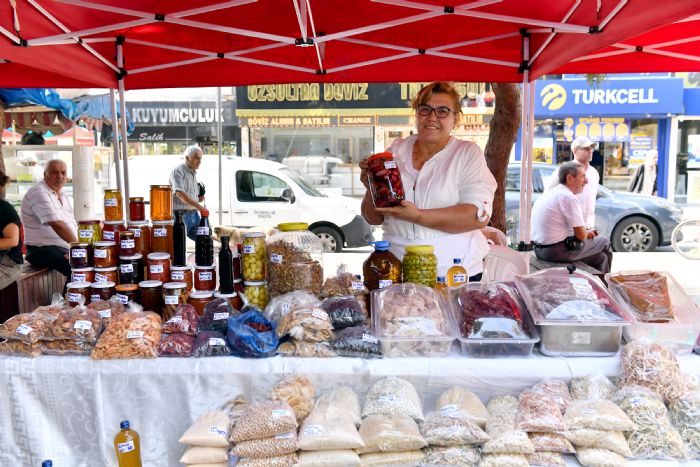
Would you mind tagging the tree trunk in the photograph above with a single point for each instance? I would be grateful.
(502, 135)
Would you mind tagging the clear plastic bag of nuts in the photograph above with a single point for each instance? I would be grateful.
(79, 323)
(135, 334)
(298, 392)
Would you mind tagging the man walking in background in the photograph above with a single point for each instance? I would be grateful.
(186, 189)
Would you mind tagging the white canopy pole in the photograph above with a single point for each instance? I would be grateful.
(221, 164)
(122, 119)
(115, 139)
(524, 136)
(530, 142)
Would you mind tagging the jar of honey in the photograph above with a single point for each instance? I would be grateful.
(107, 275)
(205, 278)
(199, 300)
(126, 293)
(77, 292)
(137, 209)
(114, 210)
(89, 231)
(82, 275)
(174, 293)
(80, 255)
(127, 243)
(151, 296)
(162, 237)
(131, 269)
(101, 291)
(104, 254)
(142, 236)
(158, 267)
(182, 274)
(111, 229)
(233, 298)
(161, 202)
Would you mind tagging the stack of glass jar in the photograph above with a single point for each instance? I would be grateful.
(295, 260)
(254, 268)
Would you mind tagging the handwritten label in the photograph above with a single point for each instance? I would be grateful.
(357, 285)
(459, 278)
(286, 308)
(137, 233)
(126, 447)
(319, 314)
(389, 165)
(313, 430)
(160, 232)
(174, 320)
(83, 324)
(78, 253)
(155, 268)
(289, 435)
(369, 338)
(108, 235)
(23, 329)
(449, 411)
(171, 299)
(74, 297)
(95, 298)
(276, 259)
(86, 234)
(386, 398)
(100, 253)
(134, 334)
(635, 401)
(177, 275)
(385, 283)
(126, 268)
(110, 202)
(78, 277)
(202, 230)
(126, 244)
(279, 413)
(105, 313)
(205, 276)
(215, 430)
(248, 249)
(216, 341)
(123, 299)
(220, 316)
(100, 278)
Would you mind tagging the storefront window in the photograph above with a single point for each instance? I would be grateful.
(688, 162)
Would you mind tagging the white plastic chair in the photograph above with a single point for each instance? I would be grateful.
(503, 264)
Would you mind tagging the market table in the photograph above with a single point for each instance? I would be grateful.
(68, 408)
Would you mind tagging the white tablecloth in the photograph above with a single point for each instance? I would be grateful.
(68, 408)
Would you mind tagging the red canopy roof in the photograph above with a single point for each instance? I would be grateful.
(207, 43)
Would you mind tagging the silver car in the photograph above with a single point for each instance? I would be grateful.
(633, 222)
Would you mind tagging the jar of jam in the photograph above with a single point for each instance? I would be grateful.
(205, 278)
(82, 275)
(113, 205)
(151, 296)
(233, 298)
(158, 267)
(104, 254)
(174, 293)
(199, 300)
(111, 230)
(161, 202)
(238, 286)
(126, 293)
(89, 231)
(131, 269)
(162, 237)
(101, 291)
(142, 236)
(77, 292)
(80, 255)
(107, 275)
(256, 292)
(127, 243)
(236, 262)
(182, 274)
(254, 257)
(137, 209)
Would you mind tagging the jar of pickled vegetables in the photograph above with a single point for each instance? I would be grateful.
(137, 209)
(89, 231)
(256, 293)
(114, 210)
(254, 257)
(162, 237)
(384, 179)
(142, 236)
(161, 202)
(111, 229)
(419, 265)
(382, 267)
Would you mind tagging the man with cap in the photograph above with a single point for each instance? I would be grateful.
(582, 149)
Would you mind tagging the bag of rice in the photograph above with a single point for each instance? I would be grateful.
(510, 442)
(393, 396)
(209, 430)
(465, 402)
(264, 420)
(599, 414)
(503, 460)
(551, 442)
(611, 440)
(342, 398)
(454, 455)
(204, 455)
(539, 412)
(454, 430)
(335, 458)
(329, 428)
(592, 457)
(392, 458)
(390, 433)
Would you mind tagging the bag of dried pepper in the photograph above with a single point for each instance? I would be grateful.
(251, 335)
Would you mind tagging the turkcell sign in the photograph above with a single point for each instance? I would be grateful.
(610, 97)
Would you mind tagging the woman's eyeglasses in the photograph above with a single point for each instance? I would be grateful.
(440, 112)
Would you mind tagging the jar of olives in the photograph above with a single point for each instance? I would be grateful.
(256, 293)
(419, 265)
(254, 257)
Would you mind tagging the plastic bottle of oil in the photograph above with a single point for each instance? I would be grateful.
(127, 446)
(440, 284)
(456, 275)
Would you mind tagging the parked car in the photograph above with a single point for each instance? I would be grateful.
(632, 222)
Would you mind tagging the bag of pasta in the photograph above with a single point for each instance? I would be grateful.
(539, 412)
(592, 387)
(685, 416)
(653, 366)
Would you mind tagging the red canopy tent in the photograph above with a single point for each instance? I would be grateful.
(83, 137)
(11, 137)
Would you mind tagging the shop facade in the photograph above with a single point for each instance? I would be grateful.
(686, 146)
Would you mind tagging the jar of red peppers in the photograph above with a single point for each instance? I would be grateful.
(205, 278)
(137, 209)
(385, 184)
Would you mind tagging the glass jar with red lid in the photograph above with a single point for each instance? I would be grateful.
(137, 209)
(205, 278)
(158, 267)
(111, 229)
(384, 179)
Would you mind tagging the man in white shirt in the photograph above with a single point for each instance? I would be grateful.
(582, 149)
(558, 228)
(47, 217)
(187, 195)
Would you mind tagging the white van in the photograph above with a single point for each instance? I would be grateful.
(261, 193)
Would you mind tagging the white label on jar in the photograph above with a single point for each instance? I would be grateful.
(23, 329)
(155, 268)
(220, 316)
(635, 401)
(137, 232)
(177, 275)
(78, 253)
(319, 314)
(386, 398)
(389, 165)
(124, 268)
(205, 276)
(289, 435)
(276, 259)
(105, 313)
(83, 324)
(79, 277)
(74, 297)
(123, 299)
(216, 341)
(583, 338)
(100, 253)
(278, 413)
(95, 298)
(313, 430)
(87, 234)
(134, 334)
(357, 285)
(128, 244)
(107, 235)
(159, 232)
(110, 202)
(385, 283)
(248, 249)
(126, 447)
(449, 411)
(174, 319)
(202, 230)
(215, 430)
(172, 299)
(370, 338)
(100, 278)
(582, 288)
(459, 278)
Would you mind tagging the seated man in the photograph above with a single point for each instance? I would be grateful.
(49, 224)
(558, 228)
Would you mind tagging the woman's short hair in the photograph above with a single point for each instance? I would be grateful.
(568, 168)
(439, 87)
